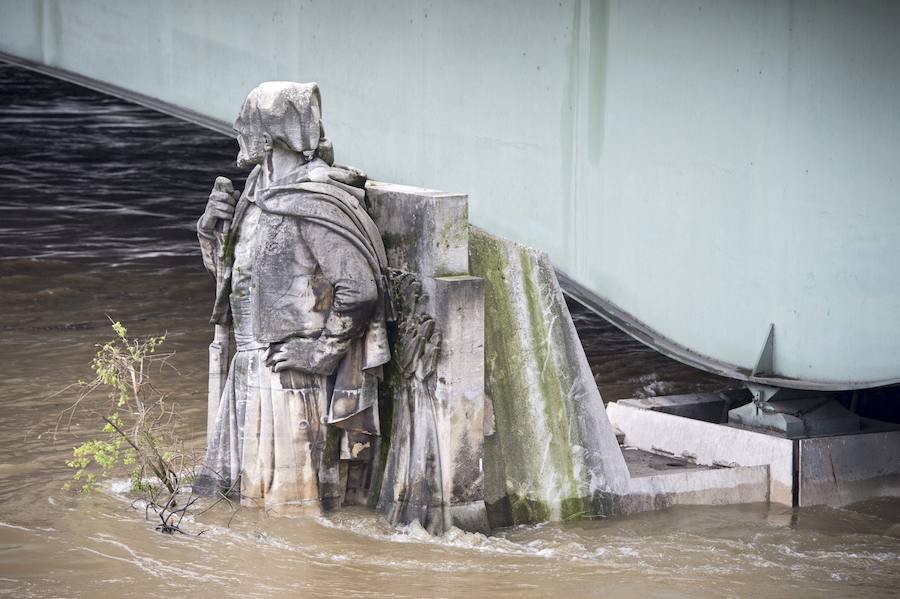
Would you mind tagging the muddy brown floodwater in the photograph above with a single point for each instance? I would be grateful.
(97, 203)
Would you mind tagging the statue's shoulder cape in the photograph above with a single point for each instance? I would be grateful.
(332, 206)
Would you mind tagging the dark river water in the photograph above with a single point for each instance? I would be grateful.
(98, 200)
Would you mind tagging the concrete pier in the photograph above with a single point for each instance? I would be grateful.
(434, 468)
(833, 470)
(554, 453)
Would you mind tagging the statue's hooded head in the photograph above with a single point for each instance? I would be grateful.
(282, 112)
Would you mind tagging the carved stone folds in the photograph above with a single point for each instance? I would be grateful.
(433, 472)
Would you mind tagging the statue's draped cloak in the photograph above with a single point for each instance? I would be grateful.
(308, 209)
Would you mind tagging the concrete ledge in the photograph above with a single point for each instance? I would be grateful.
(720, 486)
(708, 444)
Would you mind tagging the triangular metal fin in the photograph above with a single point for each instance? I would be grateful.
(765, 363)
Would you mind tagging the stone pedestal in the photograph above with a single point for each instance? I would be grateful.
(433, 467)
(425, 232)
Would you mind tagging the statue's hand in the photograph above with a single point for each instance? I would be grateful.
(294, 354)
(220, 206)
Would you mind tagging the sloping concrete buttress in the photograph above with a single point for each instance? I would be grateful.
(552, 453)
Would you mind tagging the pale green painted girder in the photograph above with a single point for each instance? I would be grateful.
(702, 169)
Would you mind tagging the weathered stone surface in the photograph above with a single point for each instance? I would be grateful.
(433, 466)
(424, 231)
(459, 313)
(554, 454)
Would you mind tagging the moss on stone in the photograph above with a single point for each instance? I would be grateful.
(453, 232)
(387, 390)
(498, 512)
(574, 508)
(548, 377)
(519, 473)
(487, 259)
(526, 510)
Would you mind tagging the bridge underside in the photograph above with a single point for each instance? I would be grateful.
(707, 172)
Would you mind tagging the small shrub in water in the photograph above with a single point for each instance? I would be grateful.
(138, 434)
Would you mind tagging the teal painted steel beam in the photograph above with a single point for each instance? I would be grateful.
(709, 168)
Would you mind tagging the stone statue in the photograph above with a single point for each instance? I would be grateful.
(300, 272)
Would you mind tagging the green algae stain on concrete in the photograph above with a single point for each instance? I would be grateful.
(388, 389)
(451, 234)
(551, 391)
(529, 466)
(504, 372)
